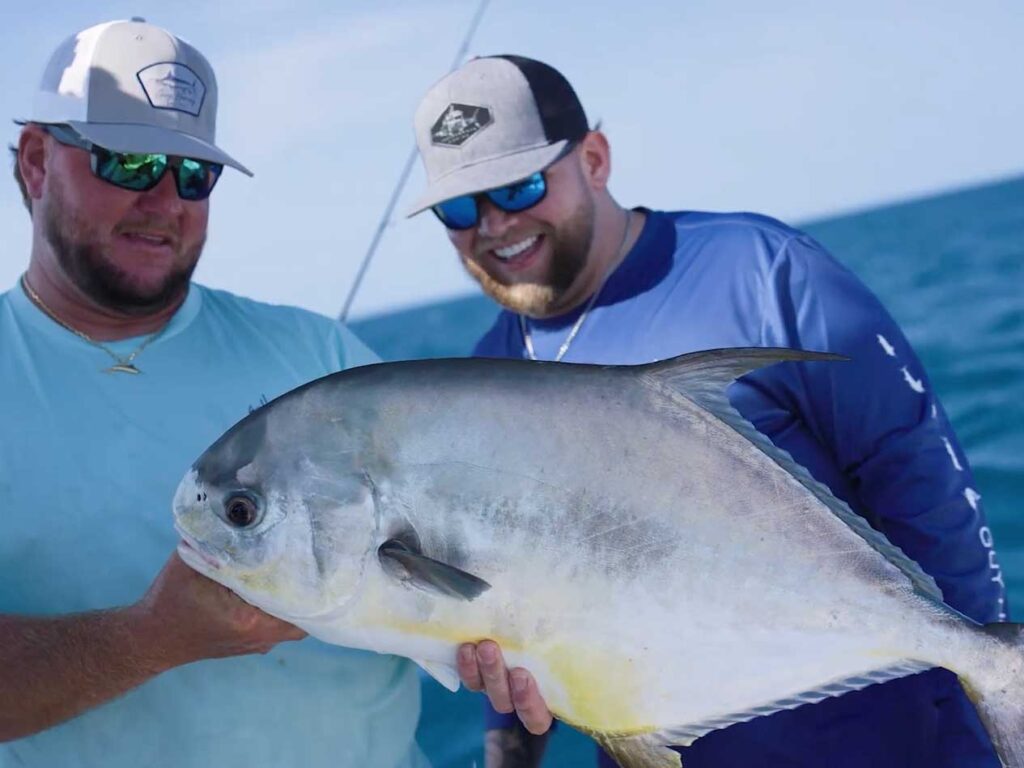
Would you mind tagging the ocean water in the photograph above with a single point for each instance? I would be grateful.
(949, 268)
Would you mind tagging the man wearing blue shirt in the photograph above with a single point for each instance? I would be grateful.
(116, 372)
(520, 183)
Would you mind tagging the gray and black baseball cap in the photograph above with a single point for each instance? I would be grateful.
(493, 121)
(129, 86)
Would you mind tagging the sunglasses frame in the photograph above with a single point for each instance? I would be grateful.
(69, 137)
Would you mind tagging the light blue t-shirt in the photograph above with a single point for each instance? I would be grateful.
(89, 462)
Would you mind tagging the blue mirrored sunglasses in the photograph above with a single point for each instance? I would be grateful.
(139, 171)
(464, 212)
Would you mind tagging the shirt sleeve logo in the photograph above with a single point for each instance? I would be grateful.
(170, 85)
(458, 124)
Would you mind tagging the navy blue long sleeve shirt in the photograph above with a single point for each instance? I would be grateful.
(871, 429)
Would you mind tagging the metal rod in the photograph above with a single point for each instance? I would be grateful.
(406, 170)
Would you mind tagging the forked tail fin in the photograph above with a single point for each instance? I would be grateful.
(999, 696)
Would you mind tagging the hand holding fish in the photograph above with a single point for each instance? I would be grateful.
(482, 668)
(55, 667)
(199, 619)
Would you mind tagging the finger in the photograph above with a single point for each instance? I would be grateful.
(469, 670)
(278, 627)
(252, 621)
(289, 636)
(495, 676)
(530, 705)
(290, 632)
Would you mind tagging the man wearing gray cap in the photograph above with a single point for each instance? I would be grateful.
(116, 372)
(520, 183)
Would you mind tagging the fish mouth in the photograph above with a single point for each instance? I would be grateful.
(193, 553)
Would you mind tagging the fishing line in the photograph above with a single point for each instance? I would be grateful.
(406, 170)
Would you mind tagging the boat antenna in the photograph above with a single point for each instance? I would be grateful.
(385, 220)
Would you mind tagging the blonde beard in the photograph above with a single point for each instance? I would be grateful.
(531, 299)
(570, 247)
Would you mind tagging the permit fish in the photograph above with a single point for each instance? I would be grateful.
(621, 531)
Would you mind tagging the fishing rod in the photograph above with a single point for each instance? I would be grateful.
(406, 170)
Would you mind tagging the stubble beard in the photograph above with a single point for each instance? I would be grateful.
(570, 245)
(86, 265)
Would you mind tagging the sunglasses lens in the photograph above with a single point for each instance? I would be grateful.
(130, 170)
(462, 212)
(196, 178)
(457, 213)
(521, 195)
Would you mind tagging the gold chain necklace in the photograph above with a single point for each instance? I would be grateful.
(122, 363)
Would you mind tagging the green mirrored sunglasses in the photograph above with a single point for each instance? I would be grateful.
(194, 179)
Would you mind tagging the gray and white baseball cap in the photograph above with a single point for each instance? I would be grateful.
(129, 86)
(492, 122)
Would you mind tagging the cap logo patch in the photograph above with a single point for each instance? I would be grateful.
(458, 124)
(170, 85)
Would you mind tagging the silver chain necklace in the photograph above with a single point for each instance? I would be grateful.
(528, 340)
(122, 363)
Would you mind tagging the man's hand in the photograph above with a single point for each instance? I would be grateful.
(190, 617)
(56, 667)
(482, 668)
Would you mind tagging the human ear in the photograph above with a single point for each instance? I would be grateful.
(32, 160)
(596, 159)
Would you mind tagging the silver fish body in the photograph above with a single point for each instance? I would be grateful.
(660, 567)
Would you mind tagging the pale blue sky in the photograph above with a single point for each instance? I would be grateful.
(798, 111)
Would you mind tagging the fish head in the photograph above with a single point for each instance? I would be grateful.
(258, 513)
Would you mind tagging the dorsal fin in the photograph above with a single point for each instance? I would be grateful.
(705, 375)
(702, 377)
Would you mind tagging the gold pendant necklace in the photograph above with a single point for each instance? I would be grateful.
(122, 363)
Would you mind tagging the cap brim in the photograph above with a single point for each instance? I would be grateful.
(127, 137)
(487, 174)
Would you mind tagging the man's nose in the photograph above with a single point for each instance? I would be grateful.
(494, 222)
(163, 197)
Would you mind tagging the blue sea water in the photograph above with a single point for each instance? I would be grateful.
(949, 268)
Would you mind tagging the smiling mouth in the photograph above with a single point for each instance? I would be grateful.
(148, 238)
(519, 253)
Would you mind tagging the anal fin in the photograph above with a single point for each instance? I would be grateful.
(645, 750)
(684, 735)
(651, 750)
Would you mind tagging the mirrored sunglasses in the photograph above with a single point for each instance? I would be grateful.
(137, 171)
(464, 212)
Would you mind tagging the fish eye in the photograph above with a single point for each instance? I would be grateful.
(241, 511)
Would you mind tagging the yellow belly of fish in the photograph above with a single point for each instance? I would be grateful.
(588, 688)
(602, 691)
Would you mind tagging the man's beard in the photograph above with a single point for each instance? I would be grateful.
(95, 275)
(569, 245)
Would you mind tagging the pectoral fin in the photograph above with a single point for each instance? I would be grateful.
(445, 674)
(422, 572)
(646, 750)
